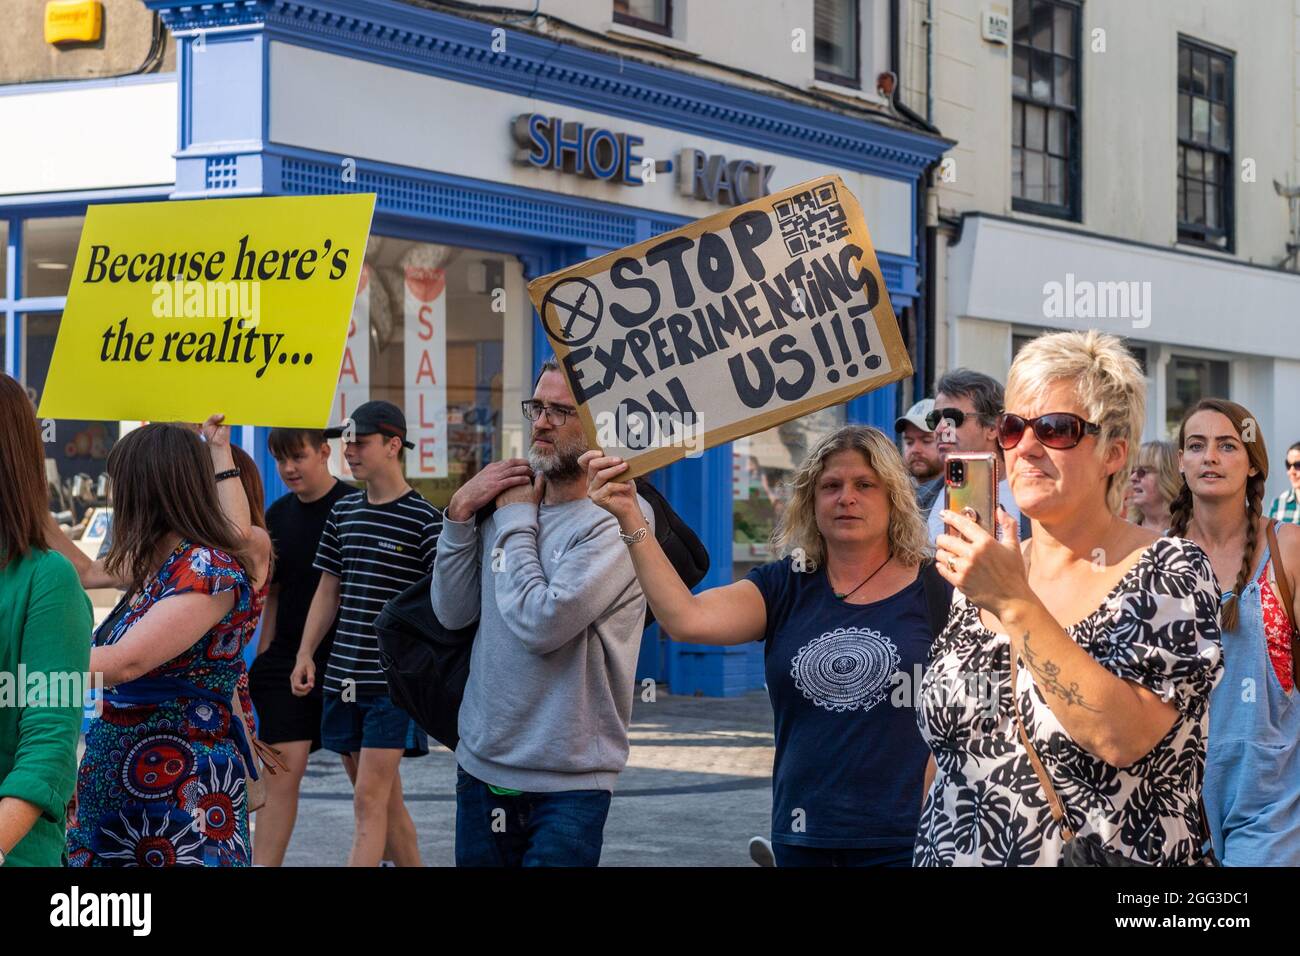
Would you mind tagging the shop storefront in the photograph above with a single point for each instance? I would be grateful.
(496, 156)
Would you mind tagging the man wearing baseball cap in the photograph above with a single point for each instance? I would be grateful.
(376, 543)
(921, 453)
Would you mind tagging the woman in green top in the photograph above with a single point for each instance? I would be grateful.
(45, 625)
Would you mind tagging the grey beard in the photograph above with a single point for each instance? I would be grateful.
(558, 467)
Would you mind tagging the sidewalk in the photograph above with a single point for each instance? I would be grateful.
(697, 787)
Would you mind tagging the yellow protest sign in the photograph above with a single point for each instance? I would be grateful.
(725, 327)
(179, 309)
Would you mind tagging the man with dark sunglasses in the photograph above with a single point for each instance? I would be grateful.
(965, 419)
(1286, 506)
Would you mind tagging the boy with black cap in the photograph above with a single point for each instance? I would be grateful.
(376, 543)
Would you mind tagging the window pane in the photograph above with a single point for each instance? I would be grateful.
(1182, 199)
(1200, 70)
(1182, 160)
(1020, 71)
(1017, 123)
(1063, 33)
(1195, 161)
(1041, 87)
(762, 466)
(1063, 83)
(476, 418)
(1035, 176)
(1035, 118)
(49, 251)
(1056, 182)
(1017, 173)
(1219, 125)
(1219, 79)
(1184, 116)
(1041, 26)
(1195, 203)
(1190, 380)
(835, 38)
(1212, 218)
(1200, 120)
(1056, 141)
(1020, 22)
(1184, 67)
(655, 11)
(4, 263)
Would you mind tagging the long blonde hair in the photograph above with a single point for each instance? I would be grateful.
(797, 528)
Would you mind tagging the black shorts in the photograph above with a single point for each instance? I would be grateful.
(282, 717)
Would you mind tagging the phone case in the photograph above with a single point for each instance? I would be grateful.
(977, 492)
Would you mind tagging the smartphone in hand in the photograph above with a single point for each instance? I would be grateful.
(970, 484)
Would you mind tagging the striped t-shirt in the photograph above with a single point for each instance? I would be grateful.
(376, 552)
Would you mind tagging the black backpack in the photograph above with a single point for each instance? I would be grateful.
(427, 665)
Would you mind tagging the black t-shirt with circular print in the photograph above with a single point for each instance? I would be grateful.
(843, 680)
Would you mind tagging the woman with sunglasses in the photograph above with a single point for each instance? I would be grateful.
(1153, 483)
(1252, 775)
(1102, 640)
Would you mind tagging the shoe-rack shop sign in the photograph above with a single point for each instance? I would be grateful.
(595, 152)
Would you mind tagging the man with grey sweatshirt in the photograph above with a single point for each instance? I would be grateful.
(543, 725)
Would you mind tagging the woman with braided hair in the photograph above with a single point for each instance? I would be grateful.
(1252, 772)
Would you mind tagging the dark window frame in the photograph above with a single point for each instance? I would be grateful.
(843, 79)
(1073, 209)
(650, 26)
(1223, 238)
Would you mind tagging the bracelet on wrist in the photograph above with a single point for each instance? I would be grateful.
(228, 473)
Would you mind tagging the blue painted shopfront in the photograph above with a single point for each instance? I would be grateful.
(224, 77)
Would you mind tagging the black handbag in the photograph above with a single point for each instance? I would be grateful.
(1086, 849)
(427, 665)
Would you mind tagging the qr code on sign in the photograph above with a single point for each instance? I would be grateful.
(811, 219)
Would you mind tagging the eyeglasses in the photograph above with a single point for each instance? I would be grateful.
(556, 414)
(1141, 472)
(1293, 466)
(1060, 430)
(954, 415)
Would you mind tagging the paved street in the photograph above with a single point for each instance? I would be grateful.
(697, 787)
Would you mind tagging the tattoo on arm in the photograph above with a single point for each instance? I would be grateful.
(1048, 674)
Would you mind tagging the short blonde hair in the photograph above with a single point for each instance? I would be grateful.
(1162, 458)
(797, 528)
(1108, 385)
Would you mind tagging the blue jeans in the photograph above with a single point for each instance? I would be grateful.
(566, 828)
(789, 855)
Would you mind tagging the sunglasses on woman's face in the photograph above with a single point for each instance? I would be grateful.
(1060, 430)
(1140, 472)
(954, 415)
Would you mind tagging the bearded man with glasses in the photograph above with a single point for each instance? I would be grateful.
(548, 577)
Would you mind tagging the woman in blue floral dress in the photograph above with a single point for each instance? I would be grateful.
(162, 779)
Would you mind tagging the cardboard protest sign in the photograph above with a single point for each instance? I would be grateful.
(725, 327)
(180, 309)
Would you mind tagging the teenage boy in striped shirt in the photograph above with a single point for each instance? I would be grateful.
(376, 543)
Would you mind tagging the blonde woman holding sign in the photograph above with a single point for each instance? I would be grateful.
(846, 617)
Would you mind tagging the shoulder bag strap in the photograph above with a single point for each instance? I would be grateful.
(1284, 592)
(1053, 801)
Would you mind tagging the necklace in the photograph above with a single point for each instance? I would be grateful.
(888, 558)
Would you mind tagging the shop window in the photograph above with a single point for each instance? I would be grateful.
(762, 467)
(653, 15)
(1204, 145)
(1189, 380)
(442, 332)
(49, 251)
(1045, 107)
(76, 452)
(835, 41)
